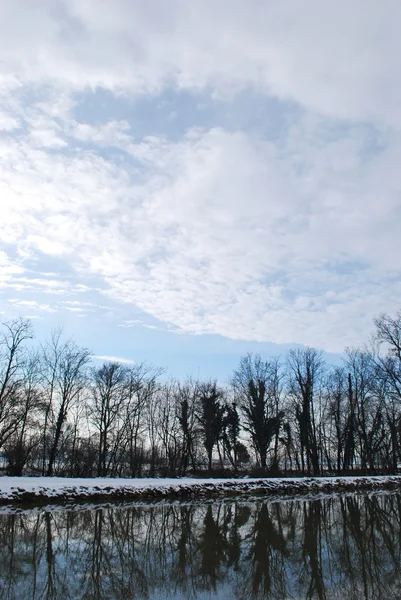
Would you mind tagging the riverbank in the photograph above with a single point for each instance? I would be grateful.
(38, 490)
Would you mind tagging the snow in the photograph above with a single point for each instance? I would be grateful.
(59, 489)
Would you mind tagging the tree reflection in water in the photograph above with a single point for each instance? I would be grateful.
(338, 547)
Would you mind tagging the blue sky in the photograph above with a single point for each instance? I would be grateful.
(184, 182)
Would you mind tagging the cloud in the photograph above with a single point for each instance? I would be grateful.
(286, 236)
(226, 233)
(32, 305)
(339, 59)
(112, 133)
(9, 270)
(119, 359)
(8, 122)
(128, 323)
(11, 278)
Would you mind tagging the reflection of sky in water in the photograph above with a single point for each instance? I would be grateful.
(255, 549)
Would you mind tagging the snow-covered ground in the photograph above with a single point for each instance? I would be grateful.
(50, 489)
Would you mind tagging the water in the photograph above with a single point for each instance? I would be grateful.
(346, 547)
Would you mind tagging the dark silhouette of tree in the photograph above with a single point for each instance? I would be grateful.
(254, 390)
(388, 336)
(211, 417)
(109, 393)
(12, 342)
(305, 369)
(66, 370)
(188, 395)
(368, 404)
(142, 384)
(231, 431)
(21, 443)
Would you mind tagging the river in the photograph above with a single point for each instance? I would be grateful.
(346, 547)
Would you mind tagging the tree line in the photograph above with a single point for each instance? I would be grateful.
(62, 415)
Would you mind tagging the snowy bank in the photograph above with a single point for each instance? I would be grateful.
(57, 489)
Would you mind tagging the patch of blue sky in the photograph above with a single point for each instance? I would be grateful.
(346, 266)
(108, 328)
(172, 113)
(204, 356)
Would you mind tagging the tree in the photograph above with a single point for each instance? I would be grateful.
(187, 400)
(109, 393)
(255, 390)
(168, 428)
(211, 416)
(50, 355)
(12, 342)
(231, 430)
(388, 335)
(20, 445)
(65, 371)
(141, 386)
(305, 369)
(368, 406)
(340, 418)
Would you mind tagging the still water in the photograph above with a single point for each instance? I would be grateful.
(340, 547)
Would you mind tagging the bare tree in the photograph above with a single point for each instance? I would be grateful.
(12, 342)
(187, 402)
(305, 369)
(50, 357)
(20, 445)
(65, 372)
(388, 337)
(142, 384)
(388, 334)
(109, 393)
(168, 426)
(339, 421)
(368, 404)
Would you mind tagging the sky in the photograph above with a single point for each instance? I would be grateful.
(183, 182)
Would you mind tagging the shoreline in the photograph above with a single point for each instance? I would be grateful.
(36, 491)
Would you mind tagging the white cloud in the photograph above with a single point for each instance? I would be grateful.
(12, 281)
(8, 270)
(128, 323)
(32, 305)
(110, 134)
(119, 359)
(337, 58)
(83, 305)
(8, 122)
(225, 233)
(287, 239)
